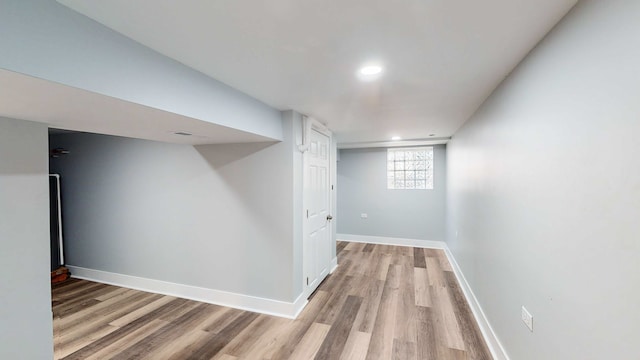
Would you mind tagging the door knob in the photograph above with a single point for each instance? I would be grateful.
(329, 217)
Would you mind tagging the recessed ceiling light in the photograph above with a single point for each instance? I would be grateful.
(371, 70)
(182, 133)
(396, 138)
(432, 134)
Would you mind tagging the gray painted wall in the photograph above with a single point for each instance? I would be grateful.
(295, 119)
(215, 216)
(333, 173)
(47, 40)
(410, 214)
(544, 192)
(26, 330)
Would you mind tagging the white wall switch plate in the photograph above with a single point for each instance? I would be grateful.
(527, 318)
(364, 216)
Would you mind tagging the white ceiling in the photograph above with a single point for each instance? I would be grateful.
(442, 58)
(66, 107)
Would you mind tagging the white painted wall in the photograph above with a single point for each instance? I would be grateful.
(26, 330)
(216, 216)
(408, 214)
(544, 192)
(47, 40)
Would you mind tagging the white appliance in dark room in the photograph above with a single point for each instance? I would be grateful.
(57, 249)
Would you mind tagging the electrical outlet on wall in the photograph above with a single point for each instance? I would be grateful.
(527, 318)
(364, 215)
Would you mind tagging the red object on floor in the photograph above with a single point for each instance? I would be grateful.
(59, 275)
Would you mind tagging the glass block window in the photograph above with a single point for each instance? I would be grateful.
(410, 168)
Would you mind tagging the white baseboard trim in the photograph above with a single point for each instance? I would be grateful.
(497, 350)
(298, 305)
(211, 296)
(429, 244)
(334, 265)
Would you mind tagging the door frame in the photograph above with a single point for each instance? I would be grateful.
(310, 124)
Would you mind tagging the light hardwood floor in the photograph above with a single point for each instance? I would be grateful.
(383, 302)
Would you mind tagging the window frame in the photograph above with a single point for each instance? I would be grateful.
(428, 170)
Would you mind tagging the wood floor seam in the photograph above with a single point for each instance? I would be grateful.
(382, 302)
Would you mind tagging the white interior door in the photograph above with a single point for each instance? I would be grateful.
(317, 246)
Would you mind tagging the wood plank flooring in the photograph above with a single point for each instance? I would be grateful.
(383, 302)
